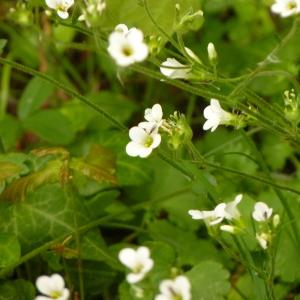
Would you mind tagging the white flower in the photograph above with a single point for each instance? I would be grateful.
(222, 211)
(262, 212)
(178, 288)
(212, 53)
(286, 8)
(174, 69)
(263, 240)
(127, 46)
(60, 6)
(154, 115)
(53, 287)
(138, 261)
(209, 216)
(144, 139)
(215, 115)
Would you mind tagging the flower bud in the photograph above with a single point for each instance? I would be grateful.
(178, 129)
(276, 221)
(229, 228)
(154, 44)
(189, 21)
(212, 54)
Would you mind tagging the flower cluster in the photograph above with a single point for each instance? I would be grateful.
(61, 7)
(126, 46)
(52, 287)
(262, 214)
(286, 8)
(228, 211)
(140, 263)
(92, 11)
(223, 211)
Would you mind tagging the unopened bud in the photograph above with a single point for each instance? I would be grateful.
(276, 221)
(229, 228)
(190, 21)
(212, 54)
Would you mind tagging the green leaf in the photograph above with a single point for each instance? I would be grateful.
(44, 215)
(3, 42)
(10, 250)
(130, 12)
(209, 281)
(10, 131)
(51, 125)
(17, 290)
(184, 242)
(8, 169)
(35, 94)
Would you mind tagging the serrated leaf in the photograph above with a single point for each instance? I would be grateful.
(35, 94)
(209, 281)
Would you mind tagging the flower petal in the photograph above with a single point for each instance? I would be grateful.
(128, 257)
(135, 277)
(138, 134)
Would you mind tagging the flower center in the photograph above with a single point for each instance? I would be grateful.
(127, 51)
(138, 268)
(292, 5)
(55, 294)
(148, 141)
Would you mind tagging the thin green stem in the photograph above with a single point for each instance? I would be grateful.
(62, 86)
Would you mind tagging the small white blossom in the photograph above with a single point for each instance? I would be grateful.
(222, 211)
(212, 53)
(172, 68)
(60, 6)
(144, 138)
(178, 288)
(215, 115)
(138, 261)
(53, 288)
(127, 46)
(286, 8)
(263, 240)
(262, 212)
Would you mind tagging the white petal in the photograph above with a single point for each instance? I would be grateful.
(137, 134)
(63, 14)
(58, 283)
(183, 286)
(140, 52)
(44, 285)
(156, 140)
(133, 149)
(145, 152)
(135, 277)
(43, 298)
(128, 258)
(135, 36)
(210, 124)
(65, 295)
(161, 297)
(166, 287)
(121, 28)
(51, 3)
